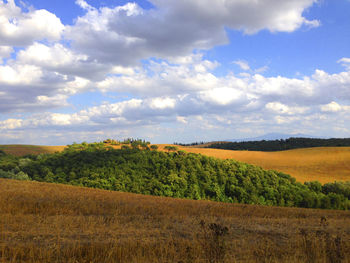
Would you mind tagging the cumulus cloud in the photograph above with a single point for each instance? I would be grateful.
(223, 96)
(19, 28)
(280, 100)
(58, 58)
(281, 109)
(25, 87)
(176, 28)
(164, 78)
(11, 124)
(156, 57)
(334, 107)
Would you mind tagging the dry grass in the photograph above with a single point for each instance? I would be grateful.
(324, 164)
(20, 150)
(56, 223)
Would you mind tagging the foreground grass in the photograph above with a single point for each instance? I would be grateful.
(42, 222)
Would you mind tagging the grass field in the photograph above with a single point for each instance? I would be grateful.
(42, 222)
(324, 164)
(20, 149)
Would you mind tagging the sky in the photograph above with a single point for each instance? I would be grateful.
(172, 70)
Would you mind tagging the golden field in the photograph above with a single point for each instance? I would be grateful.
(42, 222)
(20, 149)
(323, 164)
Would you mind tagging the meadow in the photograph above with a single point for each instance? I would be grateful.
(20, 149)
(41, 222)
(323, 164)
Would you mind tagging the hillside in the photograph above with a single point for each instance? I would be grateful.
(42, 222)
(323, 164)
(20, 149)
(173, 174)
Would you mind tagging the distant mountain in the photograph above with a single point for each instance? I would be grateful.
(274, 136)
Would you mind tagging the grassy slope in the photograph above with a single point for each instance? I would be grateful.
(42, 222)
(324, 164)
(20, 149)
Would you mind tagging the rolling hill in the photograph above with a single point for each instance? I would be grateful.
(20, 149)
(324, 164)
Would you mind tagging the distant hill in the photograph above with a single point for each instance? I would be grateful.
(265, 137)
(281, 144)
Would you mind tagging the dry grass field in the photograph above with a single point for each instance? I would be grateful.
(20, 149)
(324, 164)
(42, 222)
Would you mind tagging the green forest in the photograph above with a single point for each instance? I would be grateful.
(280, 145)
(143, 170)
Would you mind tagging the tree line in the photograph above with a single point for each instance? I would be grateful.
(281, 145)
(173, 174)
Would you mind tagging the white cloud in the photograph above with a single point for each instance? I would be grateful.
(345, 62)
(19, 74)
(334, 107)
(102, 52)
(281, 109)
(262, 69)
(162, 103)
(181, 119)
(176, 28)
(242, 64)
(10, 124)
(5, 52)
(18, 28)
(223, 96)
(84, 5)
(42, 55)
(165, 89)
(165, 79)
(25, 87)
(58, 58)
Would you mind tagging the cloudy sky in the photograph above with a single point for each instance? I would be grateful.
(172, 70)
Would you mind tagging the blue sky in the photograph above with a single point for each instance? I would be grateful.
(165, 70)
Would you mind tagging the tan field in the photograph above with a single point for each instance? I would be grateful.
(42, 222)
(20, 150)
(324, 164)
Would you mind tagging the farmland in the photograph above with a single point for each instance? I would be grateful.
(324, 164)
(42, 222)
(20, 149)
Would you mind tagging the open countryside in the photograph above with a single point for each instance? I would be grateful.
(324, 164)
(175, 131)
